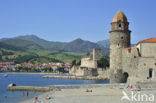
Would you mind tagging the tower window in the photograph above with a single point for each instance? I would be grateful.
(150, 73)
(122, 37)
(119, 26)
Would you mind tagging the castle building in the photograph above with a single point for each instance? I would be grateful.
(91, 61)
(130, 64)
(88, 65)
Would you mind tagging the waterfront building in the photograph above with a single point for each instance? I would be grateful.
(130, 64)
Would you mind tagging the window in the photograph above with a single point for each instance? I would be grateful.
(150, 73)
(119, 26)
(122, 37)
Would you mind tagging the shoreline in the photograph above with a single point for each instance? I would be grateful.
(76, 77)
(59, 75)
(27, 73)
(94, 95)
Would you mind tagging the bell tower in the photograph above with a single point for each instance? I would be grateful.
(119, 39)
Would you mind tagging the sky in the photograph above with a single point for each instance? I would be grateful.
(66, 20)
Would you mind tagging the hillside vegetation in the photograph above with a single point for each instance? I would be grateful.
(31, 48)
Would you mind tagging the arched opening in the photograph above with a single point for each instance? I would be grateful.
(125, 77)
(119, 26)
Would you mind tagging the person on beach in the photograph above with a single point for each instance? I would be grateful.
(27, 93)
(23, 93)
(139, 88)
(47, 97)
(130, 87)
(87, 90)
(5, 97)
(36, 99)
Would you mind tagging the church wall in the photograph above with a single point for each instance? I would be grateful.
(136, 66)
(148, 49)
(130, 63)
(143, 68)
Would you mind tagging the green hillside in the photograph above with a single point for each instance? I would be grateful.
(62, 55)
(33, 38)
(80, 45)
(23, 44)
(10, 47)
(30, 48)
(77, 45)
(8, 53)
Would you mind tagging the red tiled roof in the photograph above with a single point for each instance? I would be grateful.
(151, 40)
(128, 48)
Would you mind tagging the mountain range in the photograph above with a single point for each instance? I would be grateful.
(36, 43)
(30, 48)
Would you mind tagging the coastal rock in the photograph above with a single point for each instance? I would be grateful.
(11, 85)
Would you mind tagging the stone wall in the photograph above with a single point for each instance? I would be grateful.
(83, 71)
(97, 54)
(87, 62)
(103, 72)
(145, 64)
(138, 66)
(147, 49)
(78, 71)
(130, 63)
(91, 62)
(87, 86)
(72, 71)
(118, 40)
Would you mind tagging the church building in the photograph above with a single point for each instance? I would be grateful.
(130, 64)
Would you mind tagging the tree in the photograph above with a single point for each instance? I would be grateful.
(73, 62)
(0, 57)
(47, 69)
(103, 63)
(79, 62)
(60, 69)
(6, 58)
(87, 54)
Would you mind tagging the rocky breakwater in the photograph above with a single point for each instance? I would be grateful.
(13, 87)
(76, 77)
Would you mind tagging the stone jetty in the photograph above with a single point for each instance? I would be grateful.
(29, 88)
(76, 77)
(58, 87)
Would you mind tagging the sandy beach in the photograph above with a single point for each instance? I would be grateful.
(98, 95)
(29, 73)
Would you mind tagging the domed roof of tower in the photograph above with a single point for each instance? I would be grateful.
(120, 16)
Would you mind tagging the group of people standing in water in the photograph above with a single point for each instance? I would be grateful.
(27, 93)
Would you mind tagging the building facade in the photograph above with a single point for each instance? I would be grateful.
(88, 65)
(130, 64)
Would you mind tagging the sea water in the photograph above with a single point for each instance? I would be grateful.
(33, 80)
